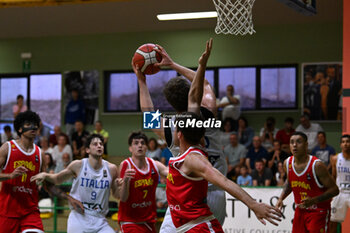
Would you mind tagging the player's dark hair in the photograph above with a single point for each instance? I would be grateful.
(90, 138)
(345, 136)
(137, 135)
(192, 133)
(300, 134)
(26, 117)
(176, 92)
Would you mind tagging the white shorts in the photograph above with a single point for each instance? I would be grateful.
(340, 205)
(78, 223)
(217, 203)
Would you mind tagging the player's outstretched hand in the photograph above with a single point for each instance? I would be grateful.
(205, 56)
(279, 204)
(265, 212)
(140, 76)
(77, 205)
(18, 172)
(166, 59)
(39, 178)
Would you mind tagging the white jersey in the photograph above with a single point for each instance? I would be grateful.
(92, 188)
(343, 173)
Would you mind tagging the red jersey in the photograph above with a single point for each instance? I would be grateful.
(187, 196)
(19, 196)
(141, 204)
(305, 184)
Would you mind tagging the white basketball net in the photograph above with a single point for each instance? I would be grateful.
(234, 17)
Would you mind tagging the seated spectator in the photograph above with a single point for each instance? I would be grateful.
(161, 200)
(78, 138)
(44, 145)
(310, 129)
(268, 133)
(231, 104)
(166, 153)
(235, 155)
(99, 130)
(153, 151)
(281, 174)
(284, 134)
(60, 149)
(19, 106)
(245, 133)
(276, 156)
(261, 175)
(323, 151)
(7, 135)
(75, 111)
(53, 138)
(65, 162)
(257, 152)
(227, 131)
(244, 179)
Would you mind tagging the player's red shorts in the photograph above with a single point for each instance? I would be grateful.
(311, 221)
(139, 227)
(207, 227)
(31, 221)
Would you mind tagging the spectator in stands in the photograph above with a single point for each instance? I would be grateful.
(323, 151)
(244, 179)
(50, 163)
(235, 155)
(334, 93)
(261, 175)
(153, 151)
(166, 153)
(231, 105)
(53, 138)
(284, 134)
(42, 132)
(161, 200)
(227, 131)
(65, 162)
(7, 135)
(281, 174)
(99, 130)
(310, 129)
(257, 152)
(268, 133)
(245, 133)
(75, 111)
(44, 145)
(60, 149)
(19, 106)
(276, 156)
(79, 138)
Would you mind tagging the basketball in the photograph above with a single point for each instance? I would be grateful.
(145, 57)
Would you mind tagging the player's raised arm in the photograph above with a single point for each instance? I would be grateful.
(201, 167)
(327, 181)
(3, 158)
(195, 94)
(126, 174)
(163, 170)
(145, 97)
(209, 98)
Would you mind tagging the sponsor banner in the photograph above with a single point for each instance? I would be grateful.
(240, 219)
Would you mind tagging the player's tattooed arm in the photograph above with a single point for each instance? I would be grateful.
(195, 94)
(3, 158)
(287, 189)
(327, 181)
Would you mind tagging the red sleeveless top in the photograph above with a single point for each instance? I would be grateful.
(187, 196)
(19, 196)
(141, 204)
(305, 184)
